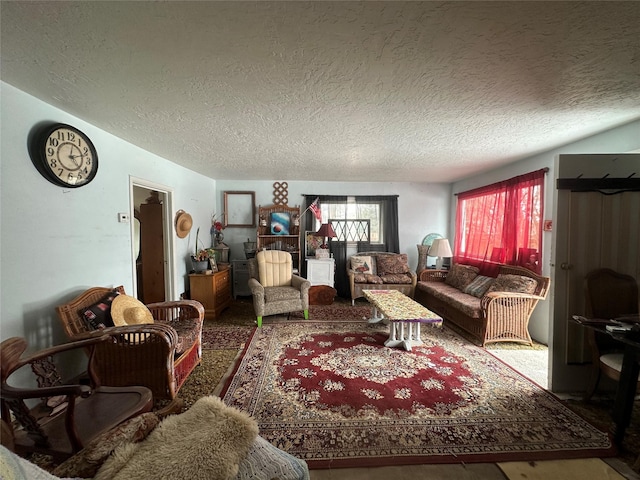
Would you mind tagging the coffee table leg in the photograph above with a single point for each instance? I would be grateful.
(375, 316)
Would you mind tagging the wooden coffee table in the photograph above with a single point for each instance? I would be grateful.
(404, 314)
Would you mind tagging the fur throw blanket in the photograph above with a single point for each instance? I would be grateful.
(208, 441)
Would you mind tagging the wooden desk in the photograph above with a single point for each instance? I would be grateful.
(626, 390)
(212, 291)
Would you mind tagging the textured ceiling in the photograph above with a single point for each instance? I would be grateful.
(351, 91)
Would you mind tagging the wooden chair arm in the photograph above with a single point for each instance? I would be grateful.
(74, 390)
(428, 275)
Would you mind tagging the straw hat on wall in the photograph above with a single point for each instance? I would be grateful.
(184, 222)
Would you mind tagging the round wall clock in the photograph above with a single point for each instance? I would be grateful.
(65, 156)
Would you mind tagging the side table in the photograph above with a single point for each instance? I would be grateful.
(321, 271)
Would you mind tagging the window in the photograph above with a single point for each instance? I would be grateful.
(501, 223)
(350, 228)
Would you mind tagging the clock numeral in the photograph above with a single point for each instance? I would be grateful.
(60, 171)
(71, 136)
(53, 142)
(53, 163)
(50, 151)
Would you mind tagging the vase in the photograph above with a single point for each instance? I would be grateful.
(219, 237)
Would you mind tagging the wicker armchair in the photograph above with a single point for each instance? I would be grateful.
(495, 317)
(159, 356)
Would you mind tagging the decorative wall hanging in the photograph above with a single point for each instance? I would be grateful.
(184, 222)
(280, 193)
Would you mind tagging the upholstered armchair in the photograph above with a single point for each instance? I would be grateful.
(274, 287)
(158, 355)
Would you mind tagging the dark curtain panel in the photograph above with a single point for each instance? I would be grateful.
(390, 238)
(389, 213)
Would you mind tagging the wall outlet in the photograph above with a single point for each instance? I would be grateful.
(123, 217)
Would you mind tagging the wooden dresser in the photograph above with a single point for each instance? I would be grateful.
(212, 291)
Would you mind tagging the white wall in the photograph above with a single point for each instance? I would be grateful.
(56, 242)
(618, 140)
(422, 207)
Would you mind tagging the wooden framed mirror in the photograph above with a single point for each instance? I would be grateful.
(239, 209)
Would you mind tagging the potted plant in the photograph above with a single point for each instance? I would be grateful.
(200, 258)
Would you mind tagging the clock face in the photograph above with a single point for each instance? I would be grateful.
(67, 157)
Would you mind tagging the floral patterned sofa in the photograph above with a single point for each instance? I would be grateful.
(380, 271)
(488, 309)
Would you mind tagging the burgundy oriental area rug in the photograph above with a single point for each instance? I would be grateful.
(332, 394)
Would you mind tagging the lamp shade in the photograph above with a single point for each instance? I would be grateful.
(440, 248)
(326, 230)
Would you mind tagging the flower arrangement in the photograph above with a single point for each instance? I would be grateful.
(202, 254)
(216, 225)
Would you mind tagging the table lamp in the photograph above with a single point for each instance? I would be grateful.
(325, 231)
(440, 248)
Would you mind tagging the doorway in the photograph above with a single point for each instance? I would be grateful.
(152, 247)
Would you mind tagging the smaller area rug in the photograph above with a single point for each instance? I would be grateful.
(332, 394)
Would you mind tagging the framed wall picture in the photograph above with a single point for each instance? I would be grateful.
(212, 264)
(239, 209)
(280, 223)
(312, 243)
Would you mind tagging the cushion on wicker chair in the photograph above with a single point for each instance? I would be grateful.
(513, 283)
(461, 275)
(98, 315)
(390, 264)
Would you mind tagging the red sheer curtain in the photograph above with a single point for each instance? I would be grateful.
(501, 223)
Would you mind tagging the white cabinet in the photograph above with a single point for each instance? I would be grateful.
(320, 271)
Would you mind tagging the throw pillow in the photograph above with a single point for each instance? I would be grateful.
(387, 264)
(362, 264)
(479, 286)
(461, 275)
(98, 315)
(514, 284)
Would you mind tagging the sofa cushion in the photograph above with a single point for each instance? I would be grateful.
(278, 294)
(513, 283)
(397, 278)
(389, 264)
(465, 303)
(367, 278)
(479, 286)
(98, 315)
(362, 264)
(461, 275)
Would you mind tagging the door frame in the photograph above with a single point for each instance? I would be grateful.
(168, 240)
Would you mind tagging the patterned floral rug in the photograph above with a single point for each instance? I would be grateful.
(332, 394)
